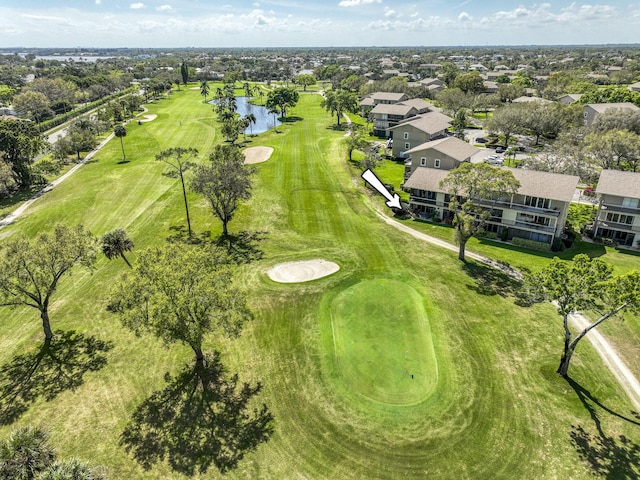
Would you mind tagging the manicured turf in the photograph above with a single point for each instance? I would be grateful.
(382, 342)
(497, 411)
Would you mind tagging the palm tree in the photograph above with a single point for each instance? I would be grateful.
(121, 132)
(251, 118)
(258, 91)
(204, 90)
(115, 243)
(247, 90)
(243, 124)
(25, 453)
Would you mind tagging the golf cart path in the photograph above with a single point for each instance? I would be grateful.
(13, 216)
(610, 357)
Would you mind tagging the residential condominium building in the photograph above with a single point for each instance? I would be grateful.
(376, 98)
(618, 217)
(386, 116)
(592, 110)
(444, 153)
(418, 130)
(538, 211)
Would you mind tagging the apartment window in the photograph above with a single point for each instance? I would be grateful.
(618, 218)
(537, 202)
(630, 202)
(406, 135)
(407, 146)
(436, 163)
(423, 162)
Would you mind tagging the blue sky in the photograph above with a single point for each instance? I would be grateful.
(277, 23)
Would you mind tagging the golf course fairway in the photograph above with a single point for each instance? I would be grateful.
(382, 341)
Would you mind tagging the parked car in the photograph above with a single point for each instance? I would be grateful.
(481, 140)
(501, 150)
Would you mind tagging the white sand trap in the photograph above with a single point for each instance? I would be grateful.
(304, 271)
(257, 154)
(148, 117)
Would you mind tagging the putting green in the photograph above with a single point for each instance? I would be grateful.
(382, 341)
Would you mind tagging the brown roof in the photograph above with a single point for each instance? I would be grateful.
(389, 96)
(451, 146)
(533, 183)
(393, 109)
(430, 122)
(418, 103)
(424, 178)
(554, 186)
(621, 184)
(602, 107)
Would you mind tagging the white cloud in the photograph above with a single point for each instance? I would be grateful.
(542, 14)
(390, 13)
(256, 4)
(98, 2)
(136, 6)
(414, 25)
(464, 17)
(355, 3)
(164, 8)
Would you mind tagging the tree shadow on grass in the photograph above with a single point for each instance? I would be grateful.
(242, 247)
(202, 417)
(181, 235)
(609, 457)
(238, 248)
(491, 281)
(49, 371)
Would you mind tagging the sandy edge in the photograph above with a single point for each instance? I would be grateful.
(302, 271)
(257, 154)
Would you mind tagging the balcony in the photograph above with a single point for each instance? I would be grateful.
(549, 212)
(620, 209)
(526, 225)
(425, 201)
(625, 227)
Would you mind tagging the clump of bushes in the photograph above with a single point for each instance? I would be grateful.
(533, 244)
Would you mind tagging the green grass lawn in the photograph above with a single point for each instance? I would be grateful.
(484, 402)
(382, 342)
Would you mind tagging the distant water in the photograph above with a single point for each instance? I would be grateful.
(264, 119)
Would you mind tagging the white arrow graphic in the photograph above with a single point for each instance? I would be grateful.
(393, 201)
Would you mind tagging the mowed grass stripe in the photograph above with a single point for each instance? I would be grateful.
(498, 410)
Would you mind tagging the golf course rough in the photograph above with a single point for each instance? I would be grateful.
(382, 342)
(302, 271)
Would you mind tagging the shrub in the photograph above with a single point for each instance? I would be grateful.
(557, 245)
(504, 234)
(533, 244)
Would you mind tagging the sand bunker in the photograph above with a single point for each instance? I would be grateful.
(257, 154)
(304, 271)
(148, 117)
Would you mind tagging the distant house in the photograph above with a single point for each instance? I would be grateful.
(490, 87)
(434, 85)
(376, 98)
(592, 110)
(634, 87)
(619, 213)
(444, 154)
(569, 98)
(538, 211)
(417, 131)
(527, 99)
(386, 116)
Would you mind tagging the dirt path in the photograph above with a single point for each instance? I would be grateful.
(607, 352)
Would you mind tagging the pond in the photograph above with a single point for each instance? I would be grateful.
(264, 119)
